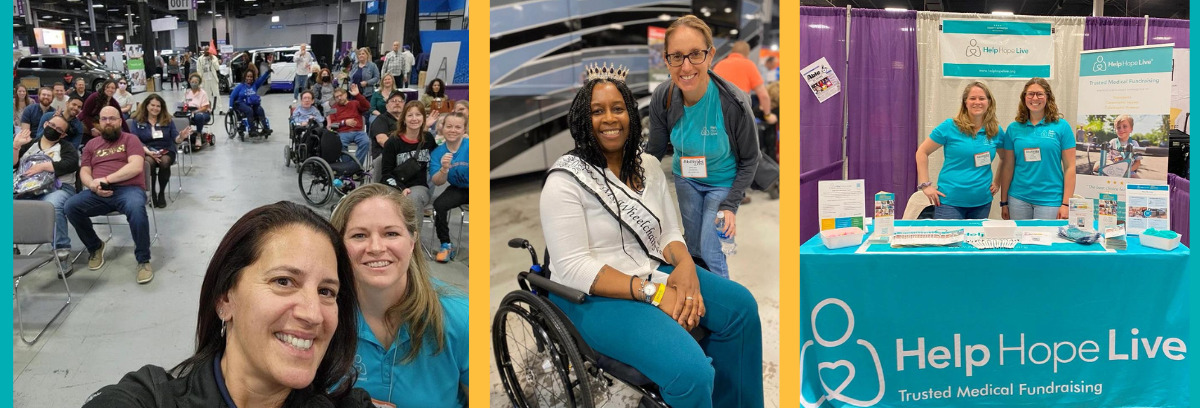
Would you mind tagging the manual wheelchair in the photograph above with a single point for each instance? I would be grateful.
(328, 170)
(304, 141)
(542, 359)
(233, 126)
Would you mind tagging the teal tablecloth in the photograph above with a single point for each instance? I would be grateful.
(995, 328)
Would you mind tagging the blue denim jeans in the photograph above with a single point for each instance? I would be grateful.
(721, 370)
(362, 144)
(950, 212)
(58, 198)
(299, 84)
(199, 119)
(1020, 210)
(698, 204)
(128, 200)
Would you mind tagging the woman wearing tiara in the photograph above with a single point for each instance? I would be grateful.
(711, 127)
(646, 294)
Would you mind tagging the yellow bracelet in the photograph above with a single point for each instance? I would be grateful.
(658, 295)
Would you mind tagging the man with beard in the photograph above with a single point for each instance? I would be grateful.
(383, 126)
(32, 115)
(348, 116)
(69, 113)
(111, 171)
(64, 163)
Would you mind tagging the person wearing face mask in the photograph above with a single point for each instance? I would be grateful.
(197, 101)
(244, 98)
(111, 174)
(323, 89)
(65, 163)
(966, 184)
(124, 98)
(451, 165)
(74, 130)
(276, 324)
(406, 156)
(92, 106)
(412, 328)
(710, 124)
(208, 67)
(381, 129)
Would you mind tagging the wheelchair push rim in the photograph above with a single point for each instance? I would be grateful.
(538, 361)
(315, 180)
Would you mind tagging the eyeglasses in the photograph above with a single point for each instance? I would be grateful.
(1034, 95)
(695, 57)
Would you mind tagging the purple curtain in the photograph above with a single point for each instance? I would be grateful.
(882, 110)
(824, 32)
(1112, 32)
(1180, 206)
(1165, 30)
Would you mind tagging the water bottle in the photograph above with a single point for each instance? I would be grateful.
(728, 247)
(337, 183)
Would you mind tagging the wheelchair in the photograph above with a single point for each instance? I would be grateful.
(329, 170)
(233, 126)
(542, 359)
(304, 141)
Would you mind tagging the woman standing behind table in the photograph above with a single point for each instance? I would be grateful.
(710, 124)
(1038, 155)
(154, 127)
(276, 325)
(412, 329)
(966, 183)
(435, 99)
(611, 231)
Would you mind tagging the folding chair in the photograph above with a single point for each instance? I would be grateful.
(33, 224)
(149, 203)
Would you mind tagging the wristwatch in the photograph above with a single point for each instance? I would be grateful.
(648, 289)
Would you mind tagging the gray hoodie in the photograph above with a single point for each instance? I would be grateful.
(739, 125)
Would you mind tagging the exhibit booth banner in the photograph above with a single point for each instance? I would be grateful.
(996, 49)
(656, 38)
(136, 68)
(1064, 325)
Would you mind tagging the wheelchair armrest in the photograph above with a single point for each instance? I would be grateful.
(572, 295)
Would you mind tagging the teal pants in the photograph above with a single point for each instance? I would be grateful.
(723, 370)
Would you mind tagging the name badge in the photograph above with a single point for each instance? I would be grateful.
(694, 166)
(1033, 154)
(157, 134)
(381, 404)
(983, 159)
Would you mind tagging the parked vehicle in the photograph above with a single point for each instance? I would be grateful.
(284, 66)
(51, 68)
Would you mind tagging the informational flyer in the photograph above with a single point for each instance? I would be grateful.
(1147, 206)
(1106, 211)
(1080, 213)
(885, 214)
(136, 68)
(841, 203)
(822, 80)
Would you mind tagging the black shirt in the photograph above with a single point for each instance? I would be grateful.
(386, 124)
(407, 164)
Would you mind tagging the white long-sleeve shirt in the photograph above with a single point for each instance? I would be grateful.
(582, 236)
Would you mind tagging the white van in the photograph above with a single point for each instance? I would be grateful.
(285, 68)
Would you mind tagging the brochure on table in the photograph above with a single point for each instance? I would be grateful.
(841, 203)
(1148, 206)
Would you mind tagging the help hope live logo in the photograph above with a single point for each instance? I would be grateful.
(971, 358)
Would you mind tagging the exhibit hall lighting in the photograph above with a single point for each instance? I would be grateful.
(274, 19)
(895, 9)
(1002, 13)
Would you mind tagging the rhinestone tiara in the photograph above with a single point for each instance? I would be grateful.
(607, 72)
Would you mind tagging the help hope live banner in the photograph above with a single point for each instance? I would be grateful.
(1131, 84)
(996, 49)
(993, 329)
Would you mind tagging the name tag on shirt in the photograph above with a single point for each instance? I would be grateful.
(1033, 154)
(381, 404)
(694, 166)
(983, 159)
(157, 134)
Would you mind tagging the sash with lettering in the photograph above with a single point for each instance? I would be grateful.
(630, 212)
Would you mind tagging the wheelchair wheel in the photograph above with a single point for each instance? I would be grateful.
(288, 156)
(231, 124)
(537, 358)
(316, 181)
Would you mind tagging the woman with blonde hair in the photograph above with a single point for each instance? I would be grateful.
(412, 329)
(966, 184)
(1038, 155)
(364, 73)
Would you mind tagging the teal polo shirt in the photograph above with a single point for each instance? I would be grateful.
(701, 133)
(1038, 182)
(429, 381)
(963, 182)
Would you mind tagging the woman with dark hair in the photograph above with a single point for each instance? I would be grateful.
(323, 89)
(91, 110)
(611, 231)
(412, 329)
(966, 184)
(154, 127)
(1038, 154)
(277, 312)
(709, 122)
(435, 99)
(406, 156)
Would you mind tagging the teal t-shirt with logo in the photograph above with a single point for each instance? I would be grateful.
(1038, 182)
(701, 133)
(964, 179)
